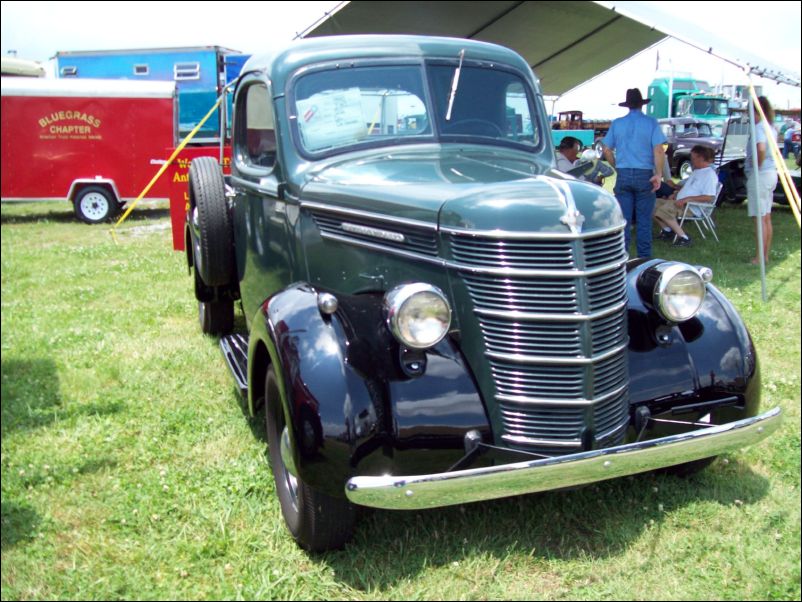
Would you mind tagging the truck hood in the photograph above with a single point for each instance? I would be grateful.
(471, 188)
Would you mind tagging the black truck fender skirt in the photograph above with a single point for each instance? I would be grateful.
(692, 364)
(353, 405)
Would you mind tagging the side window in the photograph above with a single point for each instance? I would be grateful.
(256, 131)
(183, 71)
(684, 106)
(519, 126)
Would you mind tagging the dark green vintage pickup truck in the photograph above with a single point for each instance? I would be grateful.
(432, 314)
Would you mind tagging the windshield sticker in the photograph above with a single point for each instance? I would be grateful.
(332, 118)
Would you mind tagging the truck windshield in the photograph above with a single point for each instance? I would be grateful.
(341, 108)
(704, 130)
(385, 105)
(710, 106)
(491, 105)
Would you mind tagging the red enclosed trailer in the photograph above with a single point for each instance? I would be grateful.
(95, 143)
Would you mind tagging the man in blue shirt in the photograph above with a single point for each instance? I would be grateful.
(639, 156)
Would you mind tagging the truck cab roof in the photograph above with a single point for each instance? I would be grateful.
(350, 49)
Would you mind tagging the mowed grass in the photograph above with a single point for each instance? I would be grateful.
(130, 469)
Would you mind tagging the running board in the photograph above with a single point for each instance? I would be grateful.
(235, 351)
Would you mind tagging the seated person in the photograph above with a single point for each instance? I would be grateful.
(667, 186)
(588, 168)
(568, 153)
(699, 188)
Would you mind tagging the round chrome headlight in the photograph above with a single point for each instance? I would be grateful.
(679, 292)
(418, 314)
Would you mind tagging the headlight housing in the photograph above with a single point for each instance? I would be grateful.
(418, 314)
(674, 289)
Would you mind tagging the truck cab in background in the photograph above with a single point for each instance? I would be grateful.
(688, 97)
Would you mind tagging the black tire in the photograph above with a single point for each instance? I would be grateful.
(95, 204)
(216, 317)
(317, 521)
(689, 468)
(210, 223)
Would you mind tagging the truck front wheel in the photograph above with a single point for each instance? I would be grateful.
(95, 204)
(317, 521)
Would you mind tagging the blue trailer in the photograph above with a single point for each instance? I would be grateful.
(199, 74)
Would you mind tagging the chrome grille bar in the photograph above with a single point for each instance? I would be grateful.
(554, 332)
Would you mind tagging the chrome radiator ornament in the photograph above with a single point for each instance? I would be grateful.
(573, 219)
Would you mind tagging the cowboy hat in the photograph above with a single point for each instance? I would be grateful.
(634, 99)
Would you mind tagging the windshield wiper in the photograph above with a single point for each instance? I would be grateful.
(454, 84)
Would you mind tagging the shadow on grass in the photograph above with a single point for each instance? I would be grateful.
(30, 397)
(20, 524)
(43, 215)
(30, 214)
(597, 521)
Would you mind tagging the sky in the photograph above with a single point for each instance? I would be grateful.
(37, 30)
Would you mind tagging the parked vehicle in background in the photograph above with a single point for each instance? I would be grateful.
(791, 140)
(588, 131)
(433, 314)
(199, 73)
(686, 96)
(95, 143)
(732, 174)
(15, 67)
(682, 134)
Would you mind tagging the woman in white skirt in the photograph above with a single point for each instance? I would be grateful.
(760, 194)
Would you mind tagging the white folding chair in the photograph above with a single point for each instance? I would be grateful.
(701, 213)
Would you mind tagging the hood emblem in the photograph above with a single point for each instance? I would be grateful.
(573, 219)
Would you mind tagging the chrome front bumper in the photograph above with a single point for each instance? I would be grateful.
(462, 486)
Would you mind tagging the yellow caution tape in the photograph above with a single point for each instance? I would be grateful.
(164, 167)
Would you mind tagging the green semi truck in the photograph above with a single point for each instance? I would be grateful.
(690, 97)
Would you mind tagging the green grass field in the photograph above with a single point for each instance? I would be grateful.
(130, 469)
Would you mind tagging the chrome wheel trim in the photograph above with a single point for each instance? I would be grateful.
(95, 206)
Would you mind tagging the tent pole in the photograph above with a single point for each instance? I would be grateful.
(753, 202)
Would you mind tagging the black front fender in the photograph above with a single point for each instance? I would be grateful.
(351, 406)
(706, 359)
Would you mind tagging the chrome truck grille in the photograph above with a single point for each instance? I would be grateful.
(552, 315)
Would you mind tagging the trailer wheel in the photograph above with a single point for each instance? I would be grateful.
(95, 204)
(210, 223)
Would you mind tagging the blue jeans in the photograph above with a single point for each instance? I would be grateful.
(636, 198)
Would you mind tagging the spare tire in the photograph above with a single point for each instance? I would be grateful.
(210, 224)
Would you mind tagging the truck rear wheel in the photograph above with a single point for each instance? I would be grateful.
(216, 317)
(210, 223)
(95, 204)
(317, 521)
